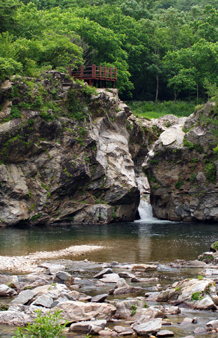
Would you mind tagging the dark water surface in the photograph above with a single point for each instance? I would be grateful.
(124, 242)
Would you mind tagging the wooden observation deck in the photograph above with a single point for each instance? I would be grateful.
(95, 74)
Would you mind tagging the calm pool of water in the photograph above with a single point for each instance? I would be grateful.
(124, 242)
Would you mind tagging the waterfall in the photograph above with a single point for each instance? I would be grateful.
(145, 210)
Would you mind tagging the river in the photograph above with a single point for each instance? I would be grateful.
(144, 241)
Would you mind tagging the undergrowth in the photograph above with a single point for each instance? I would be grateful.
(150, 111)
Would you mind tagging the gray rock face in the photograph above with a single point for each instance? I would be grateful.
(52, 170)
(151, 327)
(184, 186)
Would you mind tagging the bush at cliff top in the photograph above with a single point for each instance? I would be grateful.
(9, 67)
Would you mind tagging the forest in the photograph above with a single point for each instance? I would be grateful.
(163, 49)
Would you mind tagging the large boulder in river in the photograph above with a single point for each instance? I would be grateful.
(78, 311)
(195, 293)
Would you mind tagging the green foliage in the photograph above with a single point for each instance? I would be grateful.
(200, 277)
(35, 217)
(195, 296)
(188, 144)
(210, 171)
(133, 307)
(179, 184)
(149, 110)
(9, 67)
(48, 326)
(215, 245)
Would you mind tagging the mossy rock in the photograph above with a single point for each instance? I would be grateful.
(214, 247)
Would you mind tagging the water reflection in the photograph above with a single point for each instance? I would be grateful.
(124, 242)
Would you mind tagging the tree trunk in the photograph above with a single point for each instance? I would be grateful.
(204, 95)
(157, 89)
(174, 96)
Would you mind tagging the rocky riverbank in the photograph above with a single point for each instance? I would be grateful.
(113, 299)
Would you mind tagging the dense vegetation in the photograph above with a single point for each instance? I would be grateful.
(164, 49)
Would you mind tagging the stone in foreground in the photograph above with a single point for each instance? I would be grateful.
(165, 333)
(88, 327)
(151, 327)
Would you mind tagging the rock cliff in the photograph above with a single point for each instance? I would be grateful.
(64, 153)
(182, 168)
(71, 153)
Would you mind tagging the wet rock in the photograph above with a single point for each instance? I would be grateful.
(124, 274)
(99, 298)
(188, 321)
(199, 330)
(214, 246)
(165, 333)
(64, 277)
(207, 257)
(120, 329)
(212, 325)
(107, 333)
(11, 281)
(103, 272)
(24, 297)
(43, 300)
(144, 267)
(52, 268)
(6, 291)
(110, 278)
(88, 327)
(151, 296)
(151, 327)
(192, 292)
(79, 311)
(172, 310)
(127, 290)
(125, 310)
(144, 280)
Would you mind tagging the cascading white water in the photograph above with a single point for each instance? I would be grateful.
(145, 210)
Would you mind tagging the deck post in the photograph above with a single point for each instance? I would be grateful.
(90, 82)
(105, 72)
(111, 73)
(94, 71)
(112, 84)
(100, 72)
(81, 71)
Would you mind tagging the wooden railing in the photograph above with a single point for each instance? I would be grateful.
(94, 73)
